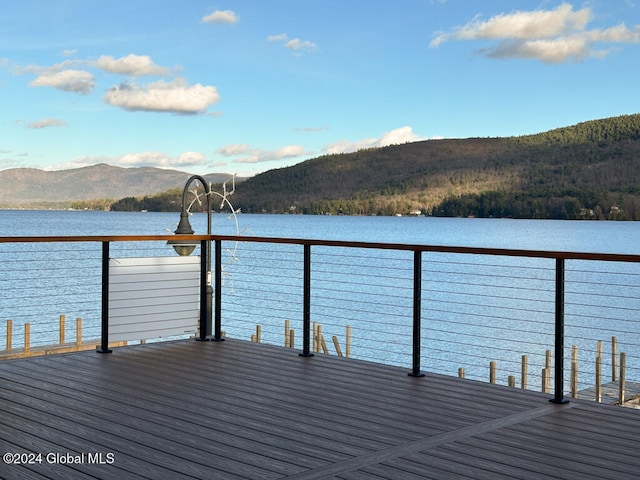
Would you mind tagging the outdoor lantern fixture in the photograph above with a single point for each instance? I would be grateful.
(186, 247)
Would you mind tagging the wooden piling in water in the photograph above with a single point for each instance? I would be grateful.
(316, 349)
(524, 372)
(461, 372)
(546, 380)
(336, 344)
(547, 359)
(8, 343)
(323, 345)
(573, 382)
(546, 373)
(318, 339)
(62, 328)
(493, 370)
(348, 341)
(27, 338)
(286, 334)
(623, 375)
(257, 337)
(614, 359)
(289, 335)
(599, 378)
(78, 332)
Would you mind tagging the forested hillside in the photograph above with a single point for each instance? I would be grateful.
(590, 170)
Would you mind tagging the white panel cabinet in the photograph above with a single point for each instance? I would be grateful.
(153, 297)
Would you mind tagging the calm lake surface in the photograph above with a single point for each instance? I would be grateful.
(553, 235)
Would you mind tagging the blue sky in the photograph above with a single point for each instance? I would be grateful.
(244, 86)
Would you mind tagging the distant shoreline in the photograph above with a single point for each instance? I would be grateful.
(61, 209)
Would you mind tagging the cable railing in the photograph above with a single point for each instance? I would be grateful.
(486, 314)
(565, 323)
(51, 290)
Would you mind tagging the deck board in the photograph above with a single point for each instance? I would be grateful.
(233, 409)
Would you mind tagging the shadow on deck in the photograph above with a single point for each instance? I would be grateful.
(207, 410)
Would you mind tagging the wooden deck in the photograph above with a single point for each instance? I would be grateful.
(229, 410)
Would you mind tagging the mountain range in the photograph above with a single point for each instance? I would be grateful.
(30, 187)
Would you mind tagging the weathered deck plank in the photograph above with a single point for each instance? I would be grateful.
(233, 409)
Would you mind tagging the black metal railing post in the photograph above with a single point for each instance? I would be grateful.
(417, 313)
(306, 303)
(206, 292)
(217, 335)
(559, 334)
(104, 334)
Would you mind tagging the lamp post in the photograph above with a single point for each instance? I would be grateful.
(186, 247)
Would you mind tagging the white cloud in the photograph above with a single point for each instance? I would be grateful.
(140, 159)
(392, 137)
(160, 160)
(55, 68)
(282, 37)
(221, 17)
(233, 150)
(245, 154)
(551, 36)
(62, 76)
(47, 122)
(143, 159)
(288, 152)
(398, 136)
(161, 96)
(297, 44)
(294, 44)
(346, 146)
(77, 81)
(131, 64)
(546, 50)
(522, 25)
(174, 96)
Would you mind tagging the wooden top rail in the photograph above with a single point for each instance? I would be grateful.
(102, 238)
(607, 257)
(611, 257)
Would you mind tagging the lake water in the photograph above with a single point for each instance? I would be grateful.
(513, 303)
(550, 235)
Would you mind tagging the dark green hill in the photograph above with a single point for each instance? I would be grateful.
(590, 170)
